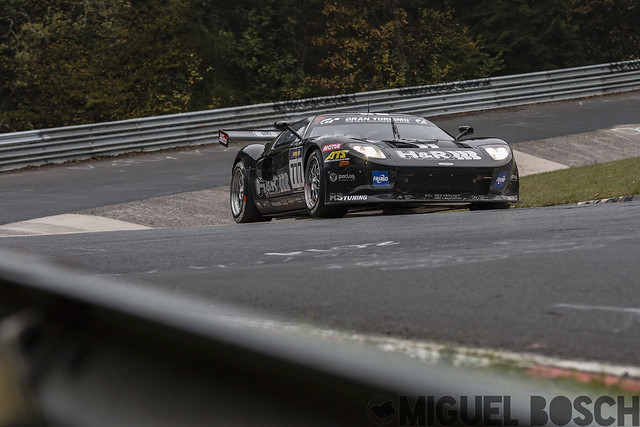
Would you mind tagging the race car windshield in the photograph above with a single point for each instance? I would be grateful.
(381, 131)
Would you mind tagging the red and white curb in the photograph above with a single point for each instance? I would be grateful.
(626, 378)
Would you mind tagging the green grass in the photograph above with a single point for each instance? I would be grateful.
(598, 181)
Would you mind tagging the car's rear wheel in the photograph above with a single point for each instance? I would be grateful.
(243, 207)
(314, 189)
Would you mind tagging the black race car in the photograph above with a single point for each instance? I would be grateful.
(327, 164)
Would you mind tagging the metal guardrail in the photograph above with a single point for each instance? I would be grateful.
(38, 147)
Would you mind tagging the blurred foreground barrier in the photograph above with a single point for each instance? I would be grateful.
(79, 351)
(86, 352)
(38, 147)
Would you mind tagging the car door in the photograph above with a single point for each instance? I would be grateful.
(285, 187)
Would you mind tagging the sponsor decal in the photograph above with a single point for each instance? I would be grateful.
(376, 119)
(278, 185)
(438, 155)
(295, 153)
(286, 201)
(343, 177)
(425, 145)
(266, 133)
(339, 197)
(443, 196)
(445, 164)
(295, 168)
(502, 178)
(336, 155)
(380, 178)
(331, 147)
(329, 120)
(223, 138)
(263, 204)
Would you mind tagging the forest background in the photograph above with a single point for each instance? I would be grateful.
(67, 62)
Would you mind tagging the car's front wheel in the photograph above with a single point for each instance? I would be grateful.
(243, 207)
(314, 189)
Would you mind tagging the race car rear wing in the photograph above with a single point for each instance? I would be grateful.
(246, 136)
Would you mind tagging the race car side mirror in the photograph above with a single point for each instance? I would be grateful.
(282, 125)
(464, 130)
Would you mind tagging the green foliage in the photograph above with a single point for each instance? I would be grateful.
(89, 61)
(441, 50)
(65, 62)
(610, 29)
(370, 45)
(528, 36)
(263, 51)
(356, 50)
(263, 57)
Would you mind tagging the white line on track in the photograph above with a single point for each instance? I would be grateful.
(599, 308)
(283, 253)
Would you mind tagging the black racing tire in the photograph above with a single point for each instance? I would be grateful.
(314, 189)
(489, 206)
(243, 207)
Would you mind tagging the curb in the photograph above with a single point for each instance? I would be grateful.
(633, 198)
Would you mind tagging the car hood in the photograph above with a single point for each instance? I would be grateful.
(437, 153)
(428, 153)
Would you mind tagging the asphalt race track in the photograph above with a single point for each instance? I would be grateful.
(559, 281)
(71, 187)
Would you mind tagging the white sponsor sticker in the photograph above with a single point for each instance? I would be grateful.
(438, 155)
(278, 185)
(339, 197)
(295, 168)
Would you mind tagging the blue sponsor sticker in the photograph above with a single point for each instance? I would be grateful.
(380, 178)
(295, 153)
(502, 178)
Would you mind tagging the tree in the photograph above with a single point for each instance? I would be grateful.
(65, 62)
(438, 49)
(260, 49)
(88, 61)
(528, 36)
(610, 28)
(373, 44)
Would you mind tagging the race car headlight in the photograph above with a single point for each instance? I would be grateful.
(498, 153)
(369, 151)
